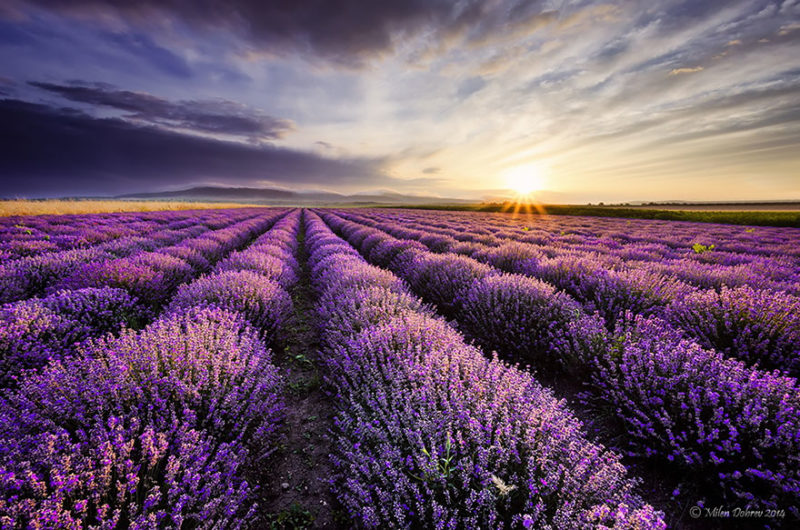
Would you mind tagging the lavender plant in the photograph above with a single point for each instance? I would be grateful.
(33, 332)
(736, 430)
(442, 278)
(505, 315)
(155, 428)
(263, 302)
(757, 326)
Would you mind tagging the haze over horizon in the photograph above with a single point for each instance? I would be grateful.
(574, 101)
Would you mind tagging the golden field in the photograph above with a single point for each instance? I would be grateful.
(59, 207)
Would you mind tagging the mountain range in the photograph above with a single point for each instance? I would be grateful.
(274, 196)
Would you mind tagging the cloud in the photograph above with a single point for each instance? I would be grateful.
(681, 71)
(787, 115)
(789, 28)
(143, 46)
(343, 31)
(6, 86)
(470, 86)
(585, 88)
(347, 32)
(47, 151)
(431, 170)
(206, 116)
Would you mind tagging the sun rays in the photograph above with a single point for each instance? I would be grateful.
(525, 181)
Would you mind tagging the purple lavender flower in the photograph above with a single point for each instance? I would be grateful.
(756, 326)
(263, 302)
(158, 426)
(737, 430)
(430, 433)
(26, 277)
(441, 279)
(34, 332)
(256, 260)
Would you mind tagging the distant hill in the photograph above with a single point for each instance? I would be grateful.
(272, 196)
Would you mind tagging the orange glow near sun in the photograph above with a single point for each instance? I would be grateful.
(525, 181)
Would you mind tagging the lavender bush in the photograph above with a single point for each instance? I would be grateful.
(441, 278)
(609, 292)
(141, 280)
(756, 326)
(173, 425)
(736, 430)
(263, 302)
(32, 332)
(122, 473)
(151, 428)
(737, 435)
(528, 319)
(463, 443)
(30, 276)
(261, 262)
(384, 253)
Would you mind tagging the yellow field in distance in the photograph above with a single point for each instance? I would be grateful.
(59, 207)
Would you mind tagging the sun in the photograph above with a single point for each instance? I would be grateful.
(525, 180)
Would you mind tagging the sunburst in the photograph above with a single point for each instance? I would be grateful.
(525, 181)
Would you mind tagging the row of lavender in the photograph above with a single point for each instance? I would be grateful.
(733, 430)
(34, 275)
(431, 434)
(705, 254)
(108, 295)
(164, 427)
(755, 325)
(660, 239)
(693, 256)
(33, 235)
(29, 236)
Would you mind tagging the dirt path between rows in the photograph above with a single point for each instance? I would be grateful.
(296, 494)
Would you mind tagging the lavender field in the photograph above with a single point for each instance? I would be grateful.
(376, 368)
(379, 264)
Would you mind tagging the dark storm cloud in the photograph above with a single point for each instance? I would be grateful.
(351, 31)
(337, 29)
(6, 86)
(46, 151)
(212, 116)
(343, 31)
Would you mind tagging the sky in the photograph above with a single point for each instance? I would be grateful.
(578, 101)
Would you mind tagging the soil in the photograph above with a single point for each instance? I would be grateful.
(297, 492)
